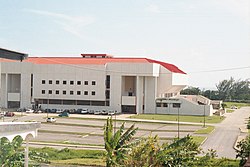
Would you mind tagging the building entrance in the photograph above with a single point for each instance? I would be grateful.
(126, 109)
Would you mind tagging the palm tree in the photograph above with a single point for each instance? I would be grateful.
(117, 143)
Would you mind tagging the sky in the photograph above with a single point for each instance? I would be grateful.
(208, 39)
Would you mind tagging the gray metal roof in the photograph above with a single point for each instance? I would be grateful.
(13, 55)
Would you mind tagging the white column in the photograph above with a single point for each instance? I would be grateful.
(139, 94)
(6, 93)
(26, 155)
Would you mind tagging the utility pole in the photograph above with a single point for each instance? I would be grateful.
(204, 122)
(178, 122)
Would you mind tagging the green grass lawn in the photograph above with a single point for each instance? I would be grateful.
(206, 130)
(239, 105)
(73, 157)
(230, 110)
(198, 139)
(183, 118)
(79, 161)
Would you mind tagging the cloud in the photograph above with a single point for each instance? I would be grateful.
(153, 8)
(70, 24)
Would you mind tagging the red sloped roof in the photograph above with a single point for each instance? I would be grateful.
(168, 66)
(98, 61)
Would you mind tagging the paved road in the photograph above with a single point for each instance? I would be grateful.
(226, 133)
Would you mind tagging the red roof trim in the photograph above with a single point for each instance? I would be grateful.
(99, 61)
(168, 66)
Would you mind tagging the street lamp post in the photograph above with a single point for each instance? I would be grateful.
(178, 122)
(48, 106)
(204, 122)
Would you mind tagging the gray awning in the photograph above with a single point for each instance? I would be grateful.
(8, 54)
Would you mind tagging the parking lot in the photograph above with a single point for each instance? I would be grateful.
(85, 129)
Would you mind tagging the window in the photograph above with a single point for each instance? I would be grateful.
(64, 82)
(86, 82)
(107, 103)
(93, 93)
(71, 82)
(86, 93)
(64, 92)
(57, 92)
(43, 91)
(107, 81)
(98, 103)
(165, 104)
(43, 81)
(78, 92)
(79, 83)
(176, 105)
(57, 82)
(93, 82)
(50, 91)
(50, 81)
(158, 104)
(71, 92)
(107, 94)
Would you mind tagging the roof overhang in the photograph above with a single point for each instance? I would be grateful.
(13, 55)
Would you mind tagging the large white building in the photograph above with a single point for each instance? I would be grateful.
(93, 81)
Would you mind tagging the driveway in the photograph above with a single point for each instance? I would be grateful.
(226, 133)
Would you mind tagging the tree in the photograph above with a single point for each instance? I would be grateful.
(225, 89)
(243, 151)
(145, 153)
(12, 154)
(234, 90)
(117, 143)
(191, 91)
(9, 153)
(181, 152)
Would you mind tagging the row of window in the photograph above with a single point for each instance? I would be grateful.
(71, 92)
(70, 82)
(73, 102)
(175, 105)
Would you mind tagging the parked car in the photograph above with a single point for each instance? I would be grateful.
(97, 112)
(84, 111)
(2, 114)
(21, 110)
(111, 112)
(91, 111)
(29, 111)
(72, 111)
(78, 111)
(47, 110)
(64, 114)
(53, 110)
(9, 114)
(37, 111)
(104, 112)
(51, 119)
(59, 111)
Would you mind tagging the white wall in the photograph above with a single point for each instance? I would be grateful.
(132, 69)
(150, 94)
(69, 73)
(187, 108)
(115, 92)
(3, 91)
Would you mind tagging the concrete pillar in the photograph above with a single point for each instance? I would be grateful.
(139, 94)
(6, 93)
